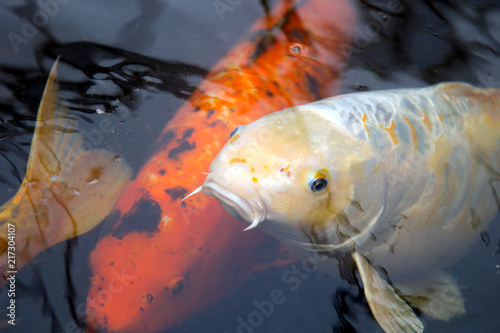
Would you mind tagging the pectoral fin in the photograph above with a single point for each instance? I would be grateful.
(437, 295)
(391, 312)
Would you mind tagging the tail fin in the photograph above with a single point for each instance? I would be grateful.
(85, 184)
(67, 189)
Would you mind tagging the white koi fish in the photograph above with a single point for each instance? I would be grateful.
(401, 180)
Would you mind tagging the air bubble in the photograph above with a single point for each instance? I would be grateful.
(296, 48)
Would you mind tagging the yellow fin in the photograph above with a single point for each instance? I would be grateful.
(67, 190)
(85, 184)
(437, 295)
(391, 312)
(56, 140)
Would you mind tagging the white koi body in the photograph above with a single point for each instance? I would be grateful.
(406, 179)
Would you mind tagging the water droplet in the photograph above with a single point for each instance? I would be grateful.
(93, 181)
(76, 192)
(100, 111)
(296, 48)
(117, 158)
(53, 178)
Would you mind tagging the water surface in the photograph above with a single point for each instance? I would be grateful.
(140, 60)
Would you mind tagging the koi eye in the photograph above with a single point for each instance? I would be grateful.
(234, 132)
(319, 182)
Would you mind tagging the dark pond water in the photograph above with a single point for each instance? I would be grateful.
(173, 44)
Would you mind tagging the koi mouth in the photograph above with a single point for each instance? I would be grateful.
(234, 204)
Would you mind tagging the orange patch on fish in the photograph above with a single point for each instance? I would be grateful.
(363, 119)
(234, 138)
(413, 134)
(425, 119)
(392, 132)
(237, 160)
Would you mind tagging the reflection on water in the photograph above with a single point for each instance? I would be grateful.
(137, 61)
(121, 81)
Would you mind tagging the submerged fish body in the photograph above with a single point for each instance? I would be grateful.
(179, 258)
(406, 180)
(67, 189)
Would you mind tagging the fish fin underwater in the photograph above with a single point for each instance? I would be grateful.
(67, 189)
(391, 312)
(436, 294)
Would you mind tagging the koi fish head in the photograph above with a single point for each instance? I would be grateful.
(294, 174)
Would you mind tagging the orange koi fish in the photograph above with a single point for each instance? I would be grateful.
(67, 190)
(166, 261)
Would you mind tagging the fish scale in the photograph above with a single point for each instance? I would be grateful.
(381, 113)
